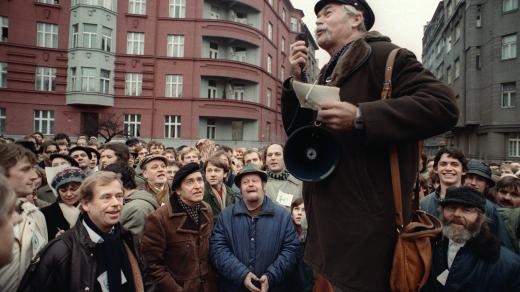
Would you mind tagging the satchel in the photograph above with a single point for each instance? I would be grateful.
(413, 254)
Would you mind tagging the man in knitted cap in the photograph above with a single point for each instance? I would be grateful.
(467, 257)
(175, 243)
(350, 213)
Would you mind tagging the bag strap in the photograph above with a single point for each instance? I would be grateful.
(394, 160)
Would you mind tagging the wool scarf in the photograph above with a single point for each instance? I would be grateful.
(115, 256)
(329, 67)
(192, 211)
(279, 176)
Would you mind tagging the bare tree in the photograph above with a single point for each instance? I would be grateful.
(110, 125)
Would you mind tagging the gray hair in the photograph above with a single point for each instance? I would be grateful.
(352, 11)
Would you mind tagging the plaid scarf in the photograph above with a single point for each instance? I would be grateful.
(193, 212)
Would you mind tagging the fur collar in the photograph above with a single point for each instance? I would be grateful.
(485, 245)
(354, 57)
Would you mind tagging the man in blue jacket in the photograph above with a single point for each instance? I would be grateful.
(254, 244)
(468, 257)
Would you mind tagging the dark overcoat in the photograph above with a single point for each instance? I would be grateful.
(175, 249)
(352, 229)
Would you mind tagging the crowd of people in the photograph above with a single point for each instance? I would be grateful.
(142, 216)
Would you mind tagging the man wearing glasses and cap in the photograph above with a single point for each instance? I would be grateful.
(352, 230)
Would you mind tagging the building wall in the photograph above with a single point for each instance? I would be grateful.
(485, 125)
(70, 105)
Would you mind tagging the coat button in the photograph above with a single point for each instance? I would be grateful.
(87, 289)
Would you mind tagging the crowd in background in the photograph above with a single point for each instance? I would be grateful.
(51, 182)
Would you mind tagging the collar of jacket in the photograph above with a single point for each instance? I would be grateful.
(84, 238)
(187, 224)
(354, 57)
(267, 208)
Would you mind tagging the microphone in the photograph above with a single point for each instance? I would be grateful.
(302, 37)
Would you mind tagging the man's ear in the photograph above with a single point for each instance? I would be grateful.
(84, 206)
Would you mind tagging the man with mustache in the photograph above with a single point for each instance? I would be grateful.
(156, 180)
(94, 255)
(175, 243)
(467, 257)
(351, 212)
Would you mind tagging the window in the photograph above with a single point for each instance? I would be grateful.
(47, 35)
(457, 31)
(3, 75)
(137, 6)
(508, 95)
(269, 64)
(177, 8)
(270, 30)
(44, 122)
(106, 39)
(90, 36)
(106, 4)
(448, 75)
(212, 89)
(132, 125)
(104, 81)
(88, 78)
(241, 17)
(282, 72)
(211, 129)
(294, 24)
(267, 131)
(135, 43)
(173, 86)
(283, 45)
(239, 54)
(270, 2)
(75, 35)
(514, 145)
(175, 46)
(73, 79)
(448, 44)
(268, 97)
(49, 1)
(508, 5)
(45, 78)
(214, 12)
(457, 68)
(4, 27)
(172, 127)
(239, 92)
(509, 47)
(478, 22)
(284, 14)
(2, 120)
(133, 84)
(449, 8)
(213, 50)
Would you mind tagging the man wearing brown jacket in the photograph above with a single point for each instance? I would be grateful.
(350, 213)
(175, 243)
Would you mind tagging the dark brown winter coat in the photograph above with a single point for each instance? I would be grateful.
(175, 250)
(352, 230)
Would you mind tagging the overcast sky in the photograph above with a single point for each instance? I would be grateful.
(401, 20)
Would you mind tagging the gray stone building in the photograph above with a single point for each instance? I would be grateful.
(472, 45)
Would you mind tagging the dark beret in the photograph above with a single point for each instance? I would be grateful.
(183, 172)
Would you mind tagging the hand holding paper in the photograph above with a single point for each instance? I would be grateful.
(312, 96)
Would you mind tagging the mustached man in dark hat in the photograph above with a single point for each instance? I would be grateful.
(175, 243)
(467, 257)
(359, 205)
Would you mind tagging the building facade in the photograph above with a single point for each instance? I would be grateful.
(472, 45)
(170, 70)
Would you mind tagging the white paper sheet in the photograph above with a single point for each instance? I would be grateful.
(312, 95)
